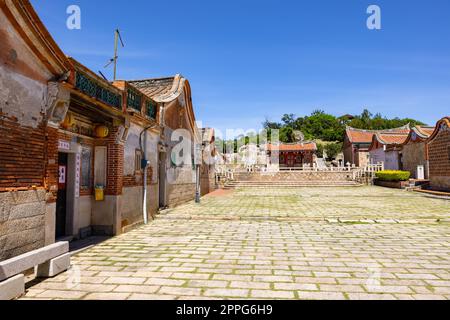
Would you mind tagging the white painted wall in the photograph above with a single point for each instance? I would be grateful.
(151, 139)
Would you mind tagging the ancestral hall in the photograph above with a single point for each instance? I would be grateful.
(292, 155)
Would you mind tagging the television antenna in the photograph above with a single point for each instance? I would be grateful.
(117, 38)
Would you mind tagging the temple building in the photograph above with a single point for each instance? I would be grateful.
(292, 155)
(414, 151)
(357, 143)
(386, 148)
(438, 155)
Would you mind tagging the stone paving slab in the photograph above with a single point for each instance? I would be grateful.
(270, 259)
(317, 203)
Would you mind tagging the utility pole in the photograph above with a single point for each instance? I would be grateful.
(116, 44)
(117, 37)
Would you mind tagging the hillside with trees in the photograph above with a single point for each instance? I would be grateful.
(326, 129)
(329, 131)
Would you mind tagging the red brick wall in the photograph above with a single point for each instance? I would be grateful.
(438, 154)
(22, 156)
(115, 165)
(138, 179)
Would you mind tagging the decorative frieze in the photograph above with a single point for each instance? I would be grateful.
(93, 89)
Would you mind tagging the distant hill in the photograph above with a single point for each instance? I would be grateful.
(326, 127)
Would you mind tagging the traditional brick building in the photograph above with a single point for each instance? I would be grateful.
(208, 172)
(90, 147)
(386, 148)
(73, 145)
(414, 152)
(438, 155)
(177, 181)
(142, 141)
(357, 143)
(30, 66)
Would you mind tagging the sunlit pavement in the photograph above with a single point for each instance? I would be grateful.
(308, 243)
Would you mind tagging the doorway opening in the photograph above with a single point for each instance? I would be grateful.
(61, 202)
(162, 180)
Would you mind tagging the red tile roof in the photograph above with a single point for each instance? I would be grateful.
(419, 134)
(366, 136)
(426, 131)
(389, 138)
(304, 146)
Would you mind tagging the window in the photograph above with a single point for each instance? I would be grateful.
(134, 100)
(86, 168)
(138, 161)
(151, 110)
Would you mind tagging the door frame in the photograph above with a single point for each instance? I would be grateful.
(72, 200)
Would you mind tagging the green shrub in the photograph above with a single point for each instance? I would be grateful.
(392, 175)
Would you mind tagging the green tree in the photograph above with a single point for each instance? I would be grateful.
(320, 149)
(333, 150)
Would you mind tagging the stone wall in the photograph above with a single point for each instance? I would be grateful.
(362, 159)
(392, 184)
(22, 222)
(392, 160)
(378, 155)
(413, 155)
(180, 193)
(207, 179)
(295, 176)
(439, 158)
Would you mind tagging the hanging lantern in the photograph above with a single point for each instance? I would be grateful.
(69, 120)
(101, 131)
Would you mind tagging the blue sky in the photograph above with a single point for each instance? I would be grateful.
(249, 60)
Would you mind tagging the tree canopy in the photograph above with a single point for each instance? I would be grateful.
(326, 127)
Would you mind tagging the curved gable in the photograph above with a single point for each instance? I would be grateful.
(443, 124)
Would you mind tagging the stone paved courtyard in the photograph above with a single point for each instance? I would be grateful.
(308, 243)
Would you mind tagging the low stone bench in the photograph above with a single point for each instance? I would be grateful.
(50, 261)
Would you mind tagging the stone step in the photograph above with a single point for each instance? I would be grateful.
(298, 185)
(292, 182)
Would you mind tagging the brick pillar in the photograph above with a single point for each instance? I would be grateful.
(51, 170)
(51, 183)
(115, 165)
